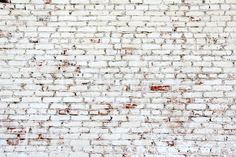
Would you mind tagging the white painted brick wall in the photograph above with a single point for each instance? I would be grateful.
(117, 78)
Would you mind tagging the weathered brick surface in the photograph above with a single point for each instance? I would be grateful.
(117, 78)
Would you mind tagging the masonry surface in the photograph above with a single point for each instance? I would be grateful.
(117, 78)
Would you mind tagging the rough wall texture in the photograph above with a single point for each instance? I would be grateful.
(117, 78)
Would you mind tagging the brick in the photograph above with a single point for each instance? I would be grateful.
(196, 106)
(129, 106)
(159, 87)
(117, 78)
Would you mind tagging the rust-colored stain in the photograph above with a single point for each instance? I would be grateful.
(160, 88)
(129, 106)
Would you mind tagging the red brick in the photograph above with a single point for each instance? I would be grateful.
(160, 88)
(129, 106)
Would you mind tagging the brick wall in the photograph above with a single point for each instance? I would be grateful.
(117, 78)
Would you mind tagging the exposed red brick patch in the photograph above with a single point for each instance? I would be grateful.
(129, 106)
(13, 142)
(160, 88)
